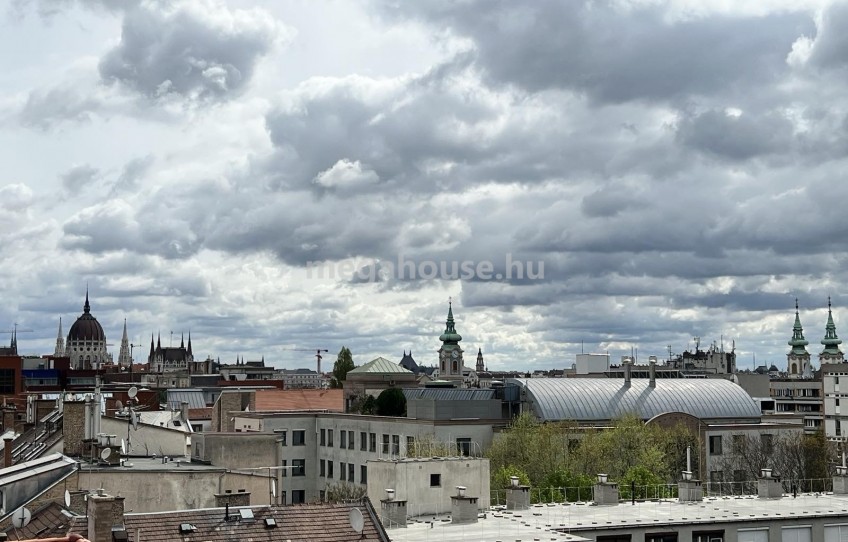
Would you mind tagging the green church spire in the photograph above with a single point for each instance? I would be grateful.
(450, 335)
(798, 342)
(831, 342)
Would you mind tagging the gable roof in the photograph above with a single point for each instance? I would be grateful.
(300, 399)
(50, 520)
(312, 522)
(380, 365)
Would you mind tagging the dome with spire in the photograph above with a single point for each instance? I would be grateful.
(450, 335)
(798, 342)
(86, 328)
(831, 342)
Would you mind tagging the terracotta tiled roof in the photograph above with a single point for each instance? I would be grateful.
(301, 522)
(49, 520)
(300, 400)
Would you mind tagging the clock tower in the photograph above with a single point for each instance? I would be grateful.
(450, 354)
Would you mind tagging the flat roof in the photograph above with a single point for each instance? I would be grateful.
(150, 464)
(576, 521)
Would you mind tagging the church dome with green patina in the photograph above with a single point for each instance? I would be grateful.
(450, 335)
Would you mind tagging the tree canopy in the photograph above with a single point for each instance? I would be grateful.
(344, 363)
(391, 402)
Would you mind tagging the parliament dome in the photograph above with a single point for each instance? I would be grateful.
(86, 328)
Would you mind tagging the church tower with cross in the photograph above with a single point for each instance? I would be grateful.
(798, 358)
(831, 352)
(451, 363)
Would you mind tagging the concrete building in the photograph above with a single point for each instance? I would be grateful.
(835, 392)
(300, 378)
(373, 378)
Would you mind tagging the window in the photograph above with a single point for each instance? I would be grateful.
(342, 470)
(372, 442)
(323, 437)
(322, 471)
(351, 472)
(350, 440)
(363, 474)
(660, 537)
(283, 497)
(283, 436)
(385, 444)
(715, 445)
(739, 476)
(343, 439)
(435, 480)
(298, 496)
(363, 441)
(708, 536)
(761, 535)
(330, 438)
(329, 469)
(322, 495)
(614, 538)
(395, 444)
(738, 442)
(716, 476)
(7, 381)
(299, 467)
(767, 442)
(285, 471)
(410, 445)
(463, 446)
(299, 437)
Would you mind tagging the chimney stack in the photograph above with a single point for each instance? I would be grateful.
(7, 452)
(768, 486)
(463, 509)
(626, 363)
(393, 511)
(184, 412)
(653, 370)
(517, 496)
(104, 513)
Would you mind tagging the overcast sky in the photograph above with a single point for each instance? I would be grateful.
(669, 169)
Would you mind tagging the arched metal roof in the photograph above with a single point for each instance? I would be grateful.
(600, 399)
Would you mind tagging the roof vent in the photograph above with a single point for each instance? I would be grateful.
(186, 528)
(119, 534)
(270, 523)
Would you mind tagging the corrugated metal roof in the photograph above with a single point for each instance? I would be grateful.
(194, 398)
(599, 399)
(449, 394)
(380, 365)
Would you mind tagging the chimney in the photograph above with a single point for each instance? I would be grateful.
(653, 370)
(242, 498)
(463, 509)
(689, 490)
(184, 411)
(393, 511)
(840, 481)
(626, 364)
(517, 496)
(7, 452)
(605, 492)
(104, 513)
(768, 486)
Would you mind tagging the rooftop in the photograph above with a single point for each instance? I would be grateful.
(300, 399)
(380, 365)
(581, 521)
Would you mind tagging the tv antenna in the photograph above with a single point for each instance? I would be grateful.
(357, 522)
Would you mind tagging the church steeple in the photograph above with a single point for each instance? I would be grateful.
(480, 366)
(60, 342)
(450, 354)
(87, 307)
(124, 355)
(831, 342)
(798, 358)
(190, 355)
(450, 336)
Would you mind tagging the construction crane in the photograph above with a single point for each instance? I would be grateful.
(318, 356)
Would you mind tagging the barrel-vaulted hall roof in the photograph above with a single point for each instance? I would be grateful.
(594, 400)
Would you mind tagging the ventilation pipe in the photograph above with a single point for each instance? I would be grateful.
(653, 371)
(626, 365)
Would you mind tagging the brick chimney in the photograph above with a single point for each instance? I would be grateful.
(7, 452)
(104, 513)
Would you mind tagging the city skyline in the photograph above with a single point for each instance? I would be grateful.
(659, 170)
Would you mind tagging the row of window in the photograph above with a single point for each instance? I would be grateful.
(347, 471)
(738, 443)
(787, 534)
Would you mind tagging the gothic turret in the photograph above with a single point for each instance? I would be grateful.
(831, 352)
(124, 354)
(60, 342)
(798, 358)
(480, 366)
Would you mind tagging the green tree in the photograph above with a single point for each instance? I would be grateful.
(563, 485)
(342, 492)
(363, 404)
(502, 478)
(391, 402)
(343, 364)
(642, 483)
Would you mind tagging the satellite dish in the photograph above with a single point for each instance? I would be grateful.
(123, 447)
(21, 518)
(134, 419)
(119, 405)
(132, 392)
(105, 453)
(67, 499)
(274, 488)
(357, 522)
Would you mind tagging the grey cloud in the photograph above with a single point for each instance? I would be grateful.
(79, 178)
(736, 137)
(830, 45)
(194, 50)
(131, 173)
(615, 52)
(46, 108)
